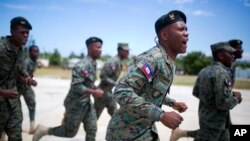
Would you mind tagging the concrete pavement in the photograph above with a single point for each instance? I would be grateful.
(50, 94)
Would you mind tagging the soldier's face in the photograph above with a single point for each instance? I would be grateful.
(227, 58)
(124, 54)
(34, 53)
(20, 35)
(95, 50)
(177, 37)
(238, 53)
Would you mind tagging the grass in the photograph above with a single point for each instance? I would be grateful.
(187, 80)
(54, 72)
(190, 80)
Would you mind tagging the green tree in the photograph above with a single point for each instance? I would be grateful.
(72, 55)
(105, 57)
(243, 64)
(193, 62)
(55, 58)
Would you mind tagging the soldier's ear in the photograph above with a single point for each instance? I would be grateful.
(163, 35)
(220, 56)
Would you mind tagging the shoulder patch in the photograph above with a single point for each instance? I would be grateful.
(113, 67)
(147, 71)
(85, 73)
(228, 82)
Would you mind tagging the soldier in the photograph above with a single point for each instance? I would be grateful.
(30, 65)
(142, 90)
(109, 75)
(11, 61)
(237, 45)
(213, 88)
(78, 105)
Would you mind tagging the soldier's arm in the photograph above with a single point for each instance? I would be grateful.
(105, 74)
(78, 78)
(179, 106)
(196, 89)
(7, 93)
(168, 101)
(223, 95)
(126, 95)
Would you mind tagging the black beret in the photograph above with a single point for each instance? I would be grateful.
(123, 46)
(169, 18)
(20, 21)
(235, 42)
(93, 40)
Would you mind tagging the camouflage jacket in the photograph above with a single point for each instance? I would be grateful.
(11, 62)
(30, 66)
(213, 87)
(140, 94)
(83, 76)
(110, 73)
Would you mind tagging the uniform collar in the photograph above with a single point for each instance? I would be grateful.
(165, 55)
(91, 60)
(220, 64)
(10, 46)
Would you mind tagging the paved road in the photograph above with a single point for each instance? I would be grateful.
(51, 92)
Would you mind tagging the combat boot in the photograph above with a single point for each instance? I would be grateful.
(177, 133)
(32, 127)
(40, 132)
(3, 137)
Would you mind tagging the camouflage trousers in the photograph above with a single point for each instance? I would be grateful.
(149, 135)
(11, 119)
(210, 134)
(72, 120)
(105, 101)
(29, 97)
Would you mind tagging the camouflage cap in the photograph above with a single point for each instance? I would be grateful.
(235, 43)
(123, 46)
(93, 40)
(222, 46)
(169, 18)
(20, 21)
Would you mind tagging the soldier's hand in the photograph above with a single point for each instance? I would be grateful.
(237, 95)
(171, 119)
(29, 81)
(11, 94)
(98, 92)
(33, 82)
(180, 106)
(23, 80)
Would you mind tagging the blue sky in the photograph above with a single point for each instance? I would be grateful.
(66, 24)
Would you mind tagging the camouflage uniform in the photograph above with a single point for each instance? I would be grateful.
(26, 90)
(109, 75)
(78, 105)
(214, 90)
(11, 61)
(140, 94)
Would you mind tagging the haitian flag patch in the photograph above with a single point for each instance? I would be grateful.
(85, 73)
(147, 71)
(228, 82)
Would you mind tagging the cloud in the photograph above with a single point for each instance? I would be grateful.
(55, 8)
(202, 13)
(183, 1)
(178, 2)
(246, 3)
(92, 1)
(17, 6)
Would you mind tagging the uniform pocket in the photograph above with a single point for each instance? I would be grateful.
(161, 85)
